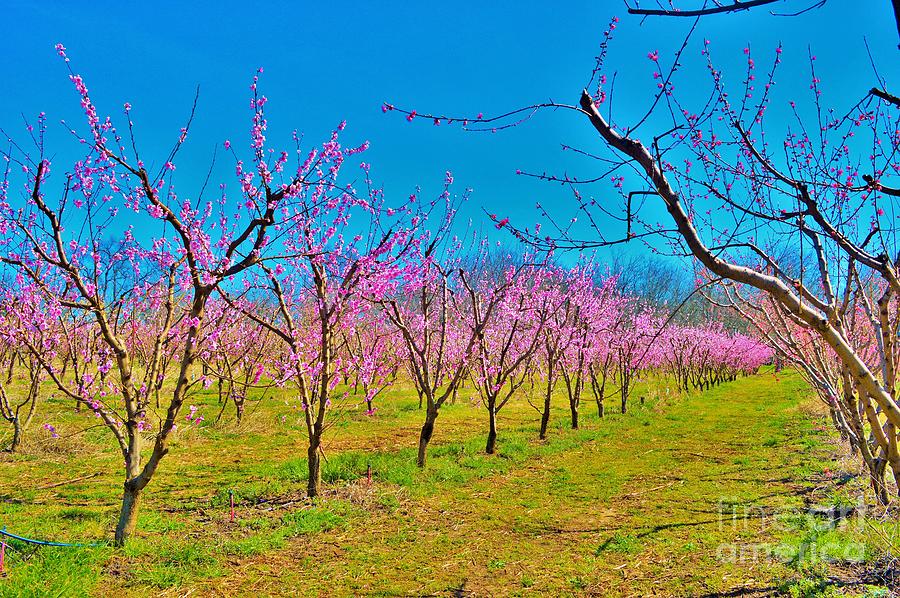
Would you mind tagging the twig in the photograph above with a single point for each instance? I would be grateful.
(654, 489)
(72, 481)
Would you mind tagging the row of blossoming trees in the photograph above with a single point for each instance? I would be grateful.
(126, 296)
(787, 204)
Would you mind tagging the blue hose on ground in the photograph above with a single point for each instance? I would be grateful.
(43, 542)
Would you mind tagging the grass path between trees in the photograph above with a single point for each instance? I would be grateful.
(697, 495)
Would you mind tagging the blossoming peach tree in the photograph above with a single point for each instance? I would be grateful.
(178, 252)
(344, 252)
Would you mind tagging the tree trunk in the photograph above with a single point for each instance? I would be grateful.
(545, 414)
(221, 411)
(840, 424)
(131, 499)
(893, 455)
(492, 431)
(876, 476)
(315, 469)
(425, 436)
(239, 409)
(599, 390)
(17, 435)
(573, 407)
(601, 406)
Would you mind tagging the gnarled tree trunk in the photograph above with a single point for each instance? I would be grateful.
(491, 446)
(425, 435)
(314, 466)
(131, 498)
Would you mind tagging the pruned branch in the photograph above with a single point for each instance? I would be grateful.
(736, 6)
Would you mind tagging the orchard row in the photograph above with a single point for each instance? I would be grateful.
(126, 296)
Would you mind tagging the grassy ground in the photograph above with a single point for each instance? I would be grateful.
(695, 495)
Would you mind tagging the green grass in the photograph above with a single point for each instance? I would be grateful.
(625, 505)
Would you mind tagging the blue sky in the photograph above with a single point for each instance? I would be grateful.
(329, 61)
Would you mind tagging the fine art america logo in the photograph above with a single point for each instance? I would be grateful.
(799, 534)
